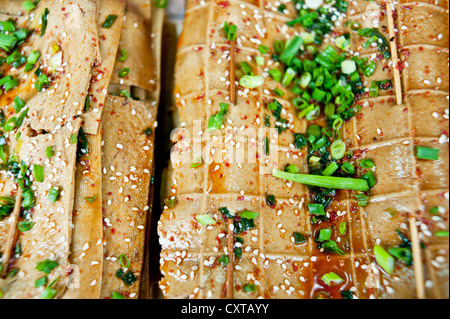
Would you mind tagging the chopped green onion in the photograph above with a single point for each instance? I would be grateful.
(25, 226)
(288, 77)
(259, 60)
(307, 37)
(53, 194)
(324, 234)
(38, 173)
(331, 279)
(292, 169)
(230, 31)
(370, 178)
(42, 81)
(249, 215)
(402, 253)
(109, 21)
(348, 67)
(342, 43)
(271, 200)
(305, 79)
(427, 153)
(197, 162)
(215, 121)
(116, 295)
(342, 228)
(205, 220)
(441, 233)
(124, 261)
(49, 293)
(249, 288)
(331, 168)
(366, 163)
(348, 168)
(49, 151)
(223, 260)
(40, 282)
(325, 181)
(161, 4)
(29, 5)
(10, 124)
(46, 266)
(91, 199)
(251, 82)
(7, 42)
(299, 238)
(7, 26)
(384, 259)
(291, 50)
(44, 20)
(362, 199)
(337, 149)
(123, 55)
(263, 49)
(124, 72)
(18, 104)
(275, 74)
(373, 90)
(316, 209)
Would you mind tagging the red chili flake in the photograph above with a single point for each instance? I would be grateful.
(223, 4)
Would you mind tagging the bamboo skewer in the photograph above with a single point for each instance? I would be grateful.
(233, 72)
(394, 54)
(415, 243)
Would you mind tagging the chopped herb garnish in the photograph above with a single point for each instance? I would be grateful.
(124, 72)
(44, 20)
(46, 266)
(427, 153)
(109, 21)
(25, 226)
(224, 260)
(205, 220)
(299, 238)
(53, 194)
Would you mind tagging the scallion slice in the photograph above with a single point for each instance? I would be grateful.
(251, 82)
(337, 149)
(325, 234)
(53, 194)
(205, 220)
(38, 173)
(331, 168)
(384, 259)
(325, 181)
(316, 209)
(427, 153)
(348, 67)
(124, 72)
(331, 279)
(109, 21)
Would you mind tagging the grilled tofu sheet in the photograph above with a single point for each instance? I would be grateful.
(230, 229)
(78, 110)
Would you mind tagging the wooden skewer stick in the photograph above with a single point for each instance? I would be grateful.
(415, 243)
(12, 234)
(233, 71)
(394, 54)
(417, 258)
(230, 266)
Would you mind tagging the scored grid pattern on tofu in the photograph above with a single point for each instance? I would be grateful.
(291, 267)
(423, 38)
